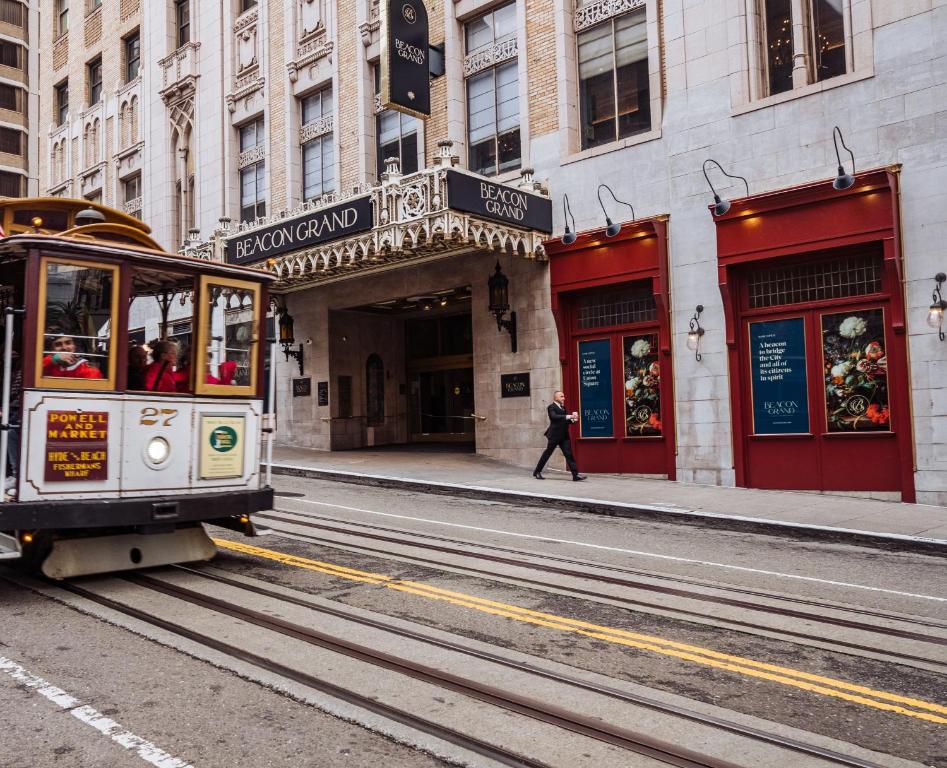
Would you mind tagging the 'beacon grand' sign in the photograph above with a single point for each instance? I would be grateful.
(347, 218)
(498, 202)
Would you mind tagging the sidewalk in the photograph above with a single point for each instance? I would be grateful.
(786, 513)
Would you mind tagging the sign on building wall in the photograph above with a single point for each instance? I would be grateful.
(302, 387)
(405, 70)
(595, 388)
(333, 223)
(498, 202)
(514, 384)
(778, 377)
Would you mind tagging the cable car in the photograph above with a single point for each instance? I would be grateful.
(132, 405)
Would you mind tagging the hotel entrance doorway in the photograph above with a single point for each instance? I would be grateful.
(439, 352)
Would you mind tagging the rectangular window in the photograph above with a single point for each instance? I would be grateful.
(246, 5)
(228, 363)
(11, 141)
(11, 184)
(493, 113)
(11, 97)
(396, 135)
(62, 102)
(252, 171)
(317, 148)
(621, 306)
(75, 330)
(131, 187)
(12, 12)
(132, 56)
(94, 78)
(11, 54)
(93, 5)
(182, 20)
(822, 46)
(841, 278)
(614, 82)
(62, 16)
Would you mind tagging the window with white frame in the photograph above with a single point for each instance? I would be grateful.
(492, 79)
(802, 42)
(315, 135)
(131, 195)
(614, 77)
(62, 17)
(396, 135)
(252, 164)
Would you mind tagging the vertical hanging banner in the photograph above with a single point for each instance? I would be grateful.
(405, 69)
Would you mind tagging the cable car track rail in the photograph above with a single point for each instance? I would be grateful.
(789, 613)
(609, 691)
(590, 727)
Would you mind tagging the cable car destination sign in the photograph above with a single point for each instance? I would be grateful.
(405, 67)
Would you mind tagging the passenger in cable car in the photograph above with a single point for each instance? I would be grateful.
(137, 365)
(66, 362)
(159, 375)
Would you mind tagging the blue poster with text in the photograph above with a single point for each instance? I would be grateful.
(595, 388)
(778, 375)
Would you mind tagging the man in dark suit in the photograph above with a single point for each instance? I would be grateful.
(557, 435)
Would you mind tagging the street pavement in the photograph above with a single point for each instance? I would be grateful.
(831, 516)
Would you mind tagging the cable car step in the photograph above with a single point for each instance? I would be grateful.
(124, 552)
(9, 547)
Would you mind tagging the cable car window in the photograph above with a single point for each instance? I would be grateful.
(227, 337)
(160, 354)
(76, 333)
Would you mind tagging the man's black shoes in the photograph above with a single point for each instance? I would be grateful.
(577, 478)
(538, 475)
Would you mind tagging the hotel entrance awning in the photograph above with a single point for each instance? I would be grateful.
(438, 212)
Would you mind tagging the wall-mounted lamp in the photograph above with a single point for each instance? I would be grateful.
(843, 180)
(935, 318)
(612, 229)
(499, 287)
(695, 333)
(286, 340)
(569, 237)
(722, 205)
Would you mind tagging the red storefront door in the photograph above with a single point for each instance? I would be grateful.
(811, 280)
(609, 298)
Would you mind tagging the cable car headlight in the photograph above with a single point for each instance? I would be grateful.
(158, 450)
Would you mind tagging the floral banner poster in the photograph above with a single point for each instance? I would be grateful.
(642, 386)
(856, 371)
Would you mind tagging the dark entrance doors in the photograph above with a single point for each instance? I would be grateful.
(440, 378)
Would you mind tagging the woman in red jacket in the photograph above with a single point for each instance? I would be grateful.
(159, 375)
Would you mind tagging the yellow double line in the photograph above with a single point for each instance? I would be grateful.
(826, 686)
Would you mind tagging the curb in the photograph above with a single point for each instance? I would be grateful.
(889, 541)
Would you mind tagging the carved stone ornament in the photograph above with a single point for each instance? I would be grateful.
(502, 50)
(412, 221)
(310, 16)
(591, 13)
(246, 49)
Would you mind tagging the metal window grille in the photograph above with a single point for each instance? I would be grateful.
(835, 279)
(622, 307)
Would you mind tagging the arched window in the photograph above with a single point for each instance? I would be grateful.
(374, 391)
(133, 121)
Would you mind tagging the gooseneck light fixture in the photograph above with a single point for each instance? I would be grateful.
(696, 332)
(612, 229)
(935, 318)
(843, 180)
(569, 237)
(498, 285)
(721, 205)
(287, 341)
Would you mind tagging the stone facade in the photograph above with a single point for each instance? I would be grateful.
(707, 100)
(19, 166)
